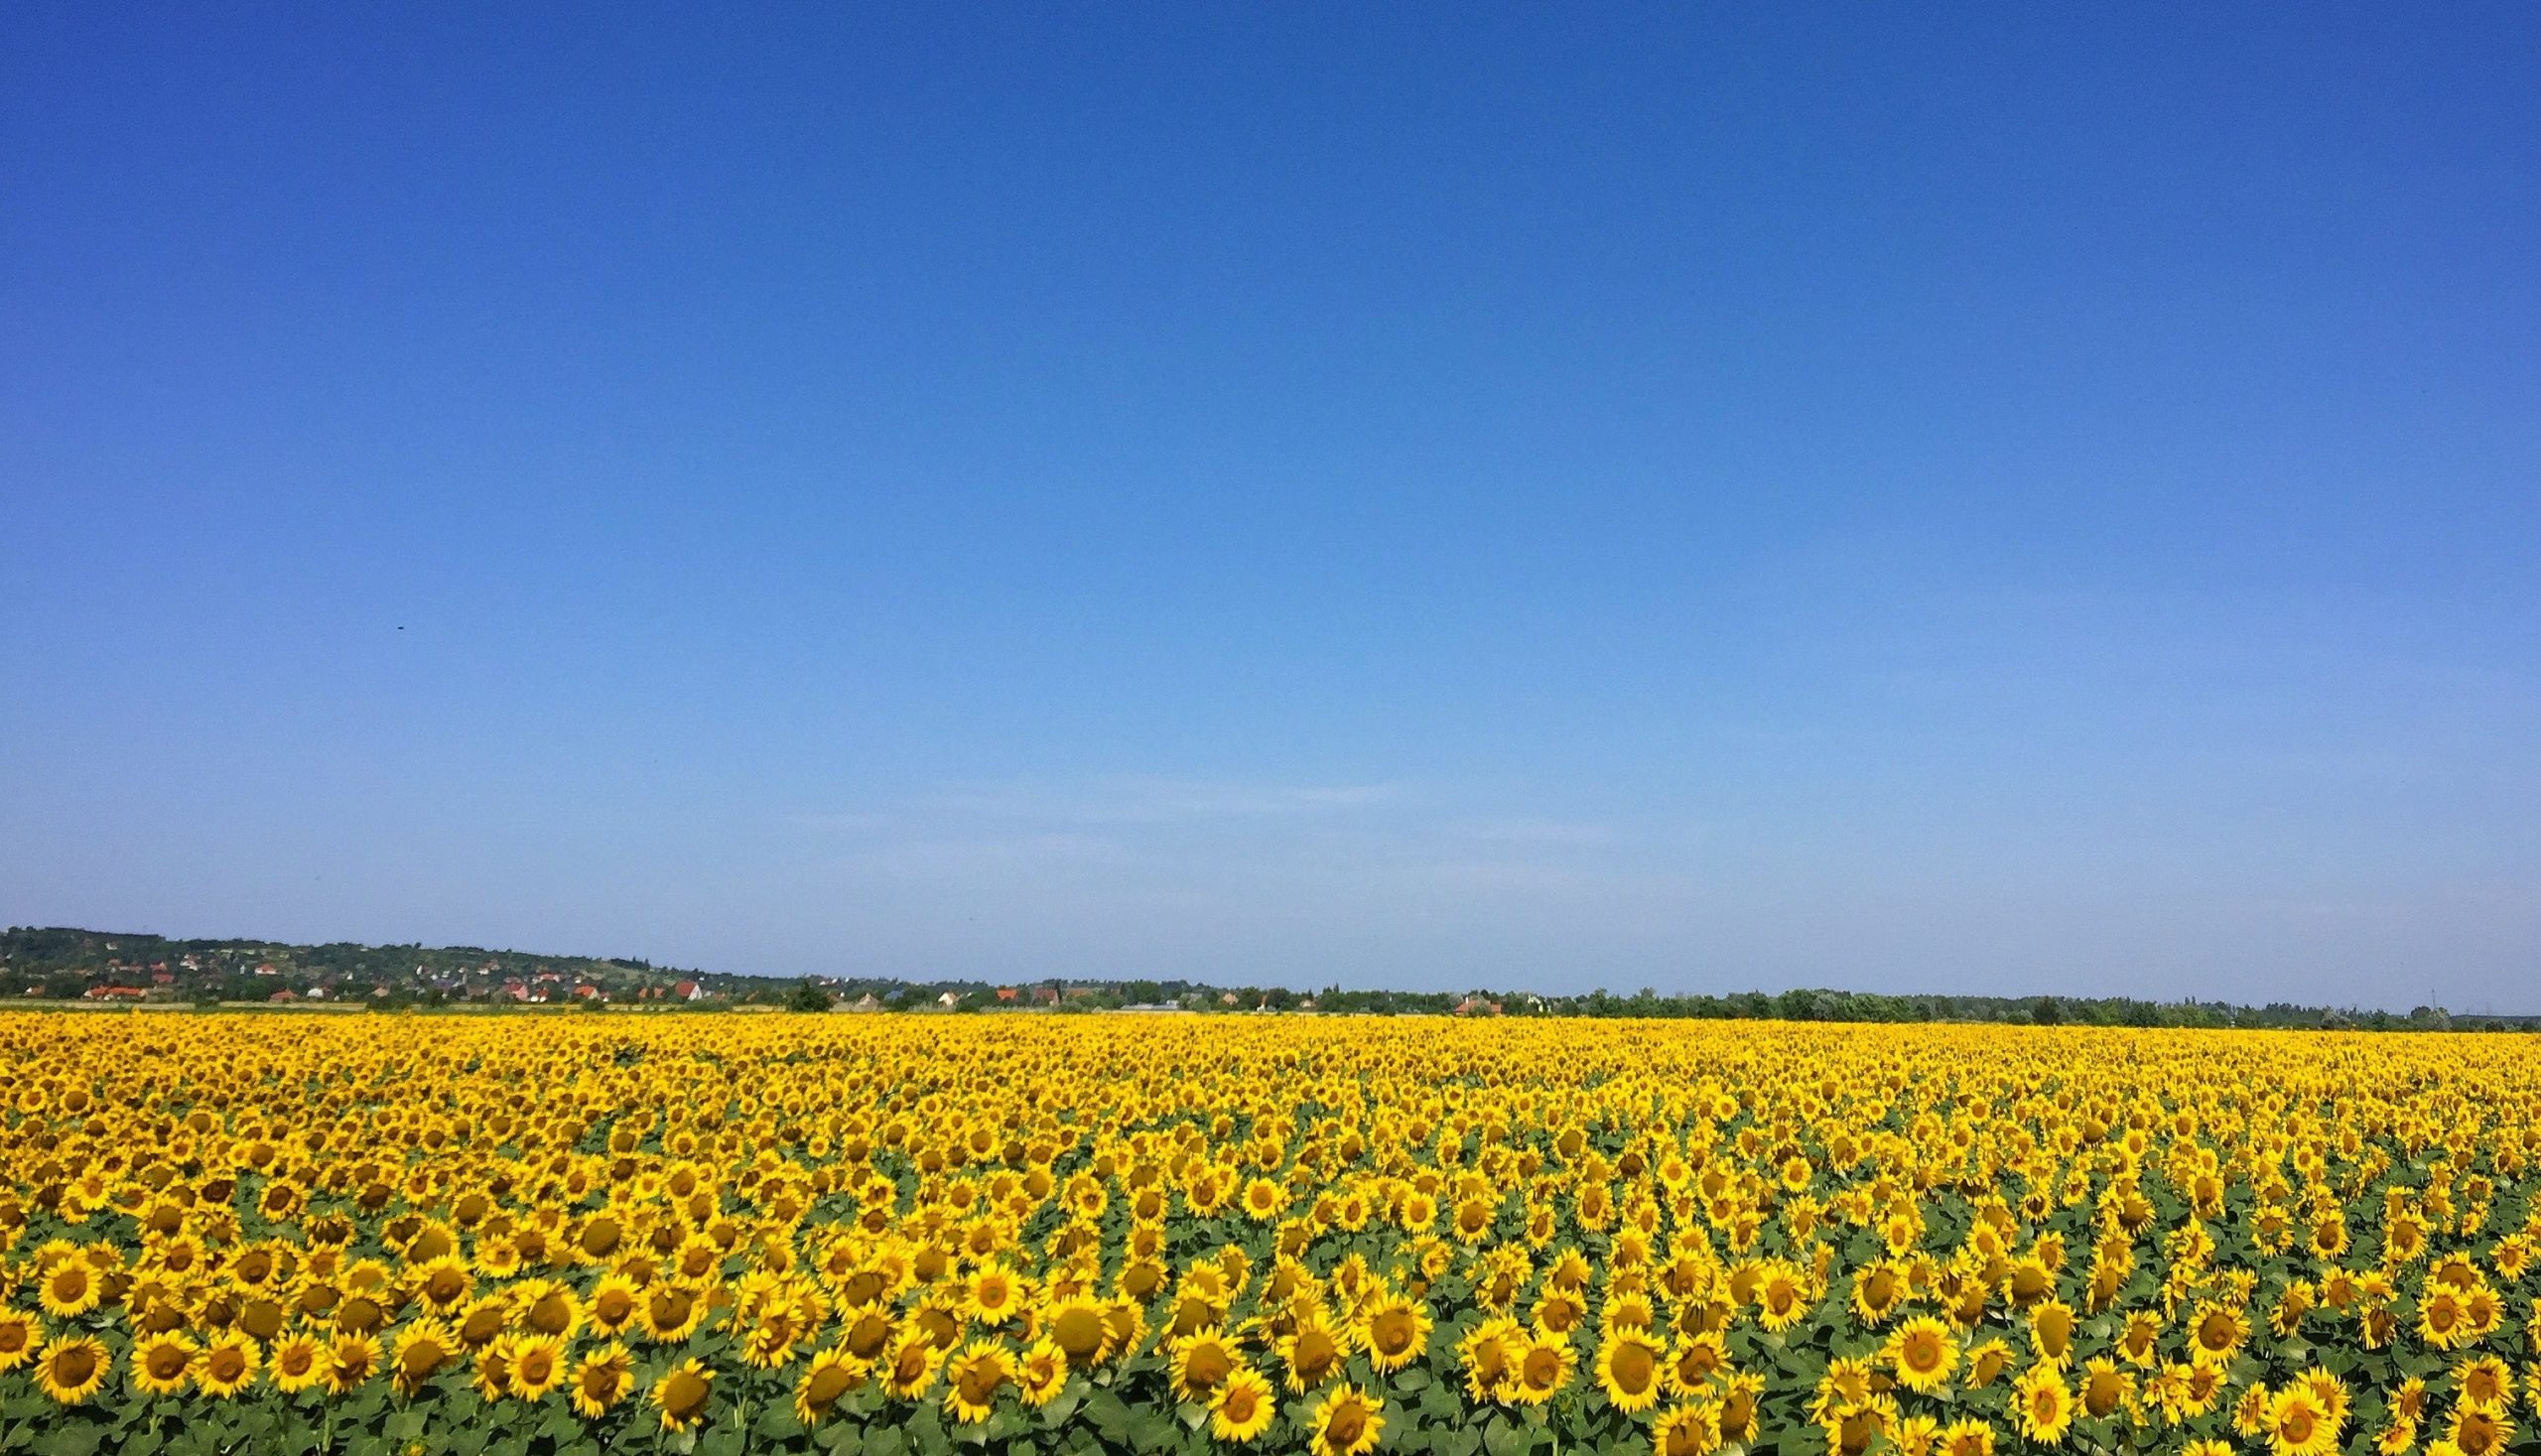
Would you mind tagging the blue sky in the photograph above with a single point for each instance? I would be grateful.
(2006, 499)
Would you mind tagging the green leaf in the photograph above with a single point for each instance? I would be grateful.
(1109, 1416)
(1061, 1407)
(1150, 1430)
(76, 1438)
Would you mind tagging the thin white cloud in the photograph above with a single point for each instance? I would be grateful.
(930, 858)
(1543, 833)
(827, 823)
(1151, 800)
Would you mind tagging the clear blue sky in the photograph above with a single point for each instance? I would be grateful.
(2007, 499)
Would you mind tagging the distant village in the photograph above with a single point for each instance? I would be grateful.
(56, 966)
(84, 969)
(89, 966)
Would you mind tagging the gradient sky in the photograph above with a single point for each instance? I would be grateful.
(2031, 498)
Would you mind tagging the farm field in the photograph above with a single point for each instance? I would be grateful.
(914, 1234)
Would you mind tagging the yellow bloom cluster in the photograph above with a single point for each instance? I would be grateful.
(1163, 1233)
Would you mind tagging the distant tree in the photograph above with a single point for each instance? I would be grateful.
(808, 996)
(2048, 1012)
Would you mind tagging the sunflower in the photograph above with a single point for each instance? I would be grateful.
(2105, 1388)
(1694, 1361)
(1077, 1326)
(971, 1379)
(1242, 1409)
(350, 1361)
(1128, 1325)
(2045, 1405)
(2216, 1333)
(780, 1324)
(19, 1336)
(2329, 1392)
(2484, 1382)
(537, 1365)
(1689, 1430)
(1488, 1356)
(2250, 1412)
(492, 1374)
(2443, 1320)
(1202, 1363)
(2285, 1319)
(1923, 1355)
(1395, 1331)
(613, 1305)
(2031, 1280)
(2051, 1331)
(1346, 1422)
(1313, 1352)
(601, 1379)
(826, 1377)
(669, 1314)
(1631, 1369)
(1264, 1200)
(422, 1348)
(1986, 1362)
(2478, 1432)
(2137, 1341)
(163, 1364)
(71, 1368)
(912, 1366)
(1965, 1437)
(868, 1336)
(1781, 1296)
(229, 1364)
(2297, 1425)
(548, 1307)
(298, 1362)
(1878, 1290)
(1845, 1385)
(68, 1289)
(1741, 1408)
(997, 1294)
(1544, 1368)
(1850, 1431)
(442, 1284)
(1040, 1371)
(682, 1393)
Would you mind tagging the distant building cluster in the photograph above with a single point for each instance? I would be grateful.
(96, 968)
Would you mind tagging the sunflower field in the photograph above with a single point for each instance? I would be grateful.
(909, 1235)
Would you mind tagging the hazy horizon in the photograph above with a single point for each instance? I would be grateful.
(1995, 502)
